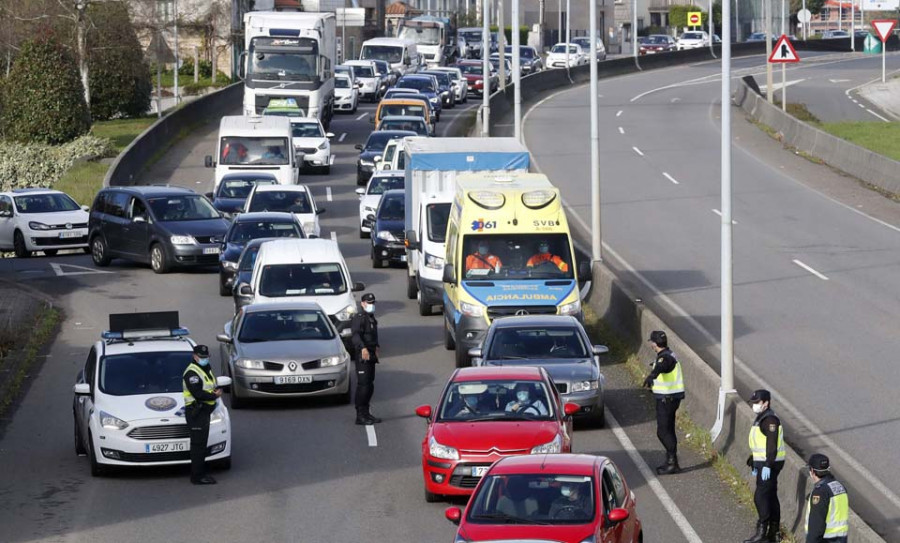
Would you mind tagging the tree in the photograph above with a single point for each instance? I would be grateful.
(42, 100)
(119, 77)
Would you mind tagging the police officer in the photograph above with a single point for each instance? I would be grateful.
(667, 383)
(828, 510)
(200, 395)
(767, 454)
(365, 346)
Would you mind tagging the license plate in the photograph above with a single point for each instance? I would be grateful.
(73, 234)
(211, 250)
(293, 379)
(402, 258)
(172, 446)
(479, 471)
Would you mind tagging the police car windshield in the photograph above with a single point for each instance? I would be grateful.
(495, 400)
(290, 325)
(499, 257)
(515, 499)
(289, 201)
(536, 343)
(281, 280)
(143, 373)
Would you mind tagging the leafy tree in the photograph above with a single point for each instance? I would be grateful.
(42, 99)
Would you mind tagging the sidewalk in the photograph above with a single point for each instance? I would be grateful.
(884, 95)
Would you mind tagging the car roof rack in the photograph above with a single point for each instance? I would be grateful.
(147, 325)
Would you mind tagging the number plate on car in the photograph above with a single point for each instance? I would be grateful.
(172, 446)
(479, 471)
(72, 234)
(402, 258)
(293, 379)
(211, 250)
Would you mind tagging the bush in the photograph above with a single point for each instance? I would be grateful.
(42, 100)
(120, 79)
(40, 165)
(187, 68)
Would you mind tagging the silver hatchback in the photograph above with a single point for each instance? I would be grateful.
(284, 349)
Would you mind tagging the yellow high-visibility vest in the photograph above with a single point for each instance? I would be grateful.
(837, 521)
(758, 441)
(209, 384)
(669, 383)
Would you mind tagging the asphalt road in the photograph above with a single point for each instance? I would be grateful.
(816, 257)
(302, 470)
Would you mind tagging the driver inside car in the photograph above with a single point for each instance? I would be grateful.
(574, 502)
(544, 255)
(526, 402)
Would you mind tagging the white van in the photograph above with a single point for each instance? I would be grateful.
(401, 54)
(255, 144)
(307, 270)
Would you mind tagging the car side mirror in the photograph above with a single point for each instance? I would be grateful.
(329, 135)
(449, 274)
(224, 338)
(412, 240)
(359, 287)
(209, 162)
(361, 192)
(453, 514)
(6, 214)
(424, 411)
(358, 147)
(223, 381)
(475, 352)
(584, 270)
(139, 218)
(320, 210)
(86, 208)
(570, 409)
(245, 290)
(82, 389)
(209, 195)
(618, 515)
(600, 349)
(376, 159)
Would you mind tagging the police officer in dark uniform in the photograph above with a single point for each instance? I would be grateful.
(828, 509)
(366, 351)
(767, 454)
(667, 383)
(200, 395)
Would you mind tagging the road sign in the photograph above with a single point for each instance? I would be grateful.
(881, 5)
(804, 15)
(695, 18)
(350, 16)
(783, 51)
(884, 27)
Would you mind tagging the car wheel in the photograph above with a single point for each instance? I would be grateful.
(235, 402)
(431, 497)
(99, 252)
(50, 252)
(376, 262)
(19, 246)
(449, 344)
(362, 234)
(223, 287)
(356, 105)
(158, 259)
(412, 288)
(598, 417)
(326, 170)
(97, 469)
(344, 397)
(79, 443)
(424, 307)
(223, 464)
(462, 358)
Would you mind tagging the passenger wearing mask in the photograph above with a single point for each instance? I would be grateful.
(525, 402)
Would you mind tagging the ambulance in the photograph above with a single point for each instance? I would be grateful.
(509, 252)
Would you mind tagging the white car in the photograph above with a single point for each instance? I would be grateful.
(41, 220)
(311, 143)
(367, 80)
(557, 56)
(585, 43)
(346, 94)
(129, 404)
(296, 199)
(388, 158)
(370, 196)
(692, 40)
(461, 88)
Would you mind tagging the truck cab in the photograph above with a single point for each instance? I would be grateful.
(434, 37)
(255, 145)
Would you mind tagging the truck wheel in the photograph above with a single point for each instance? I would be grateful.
(449, 344)
(424, 308)
(412, 289)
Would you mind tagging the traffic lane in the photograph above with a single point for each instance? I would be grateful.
(678, 268)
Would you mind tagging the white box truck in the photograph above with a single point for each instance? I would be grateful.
(289, 55)
(432, 165)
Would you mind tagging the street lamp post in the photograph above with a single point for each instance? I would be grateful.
(517, 72)
(485, 69)
(596, 239)
(175, 52)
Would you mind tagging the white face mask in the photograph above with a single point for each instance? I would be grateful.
(566, 491)
(758, 408)
(369, 308)
(522, 396)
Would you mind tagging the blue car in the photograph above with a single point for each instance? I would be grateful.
(424, 84)
(233, 190)
(445, 87)
(387, 229)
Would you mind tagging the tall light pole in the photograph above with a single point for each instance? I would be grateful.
(517, 72)
(568, 30)
(559, 20)
(175, 21)
(634, 41)
(485, 68)
(853, 25)
(501, 45)
(596, 239)
(737, 19)
(770, 93)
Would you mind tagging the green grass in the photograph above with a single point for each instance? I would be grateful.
(882, 138)
(168, 80)
(121, 131)
(39, 335)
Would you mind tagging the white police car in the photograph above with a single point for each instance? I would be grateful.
(129, 405)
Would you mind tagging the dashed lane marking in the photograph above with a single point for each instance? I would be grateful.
(343, 135)
(333, 235)
(810, 270)
(370, 434)
(328, 193)
(638, 151)
(670, 178)
(619, 113)
(621, 130)
(361, 117)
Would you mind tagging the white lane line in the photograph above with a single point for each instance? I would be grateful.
(343, 135)
(370, 434)
(328, 193)
(854, 101)
(719, 213)
(673, 100)
(638, 151)
(619, 113)
(670, 178)
(686, 529)
(885, 119)
(333, 235)
(862, 106)
(361, 117)
(810, 270)
(621, 130)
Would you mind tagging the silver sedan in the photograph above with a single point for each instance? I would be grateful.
(284, 349)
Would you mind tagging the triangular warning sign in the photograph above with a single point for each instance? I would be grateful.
(783, 51)
(884, 27)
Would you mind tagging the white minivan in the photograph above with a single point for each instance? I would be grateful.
(254, 144)
(401, 54)
(305, 270)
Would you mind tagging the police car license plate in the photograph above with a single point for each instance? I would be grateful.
(211, 250)
(293, 379)
(479, 471)
(172, 446)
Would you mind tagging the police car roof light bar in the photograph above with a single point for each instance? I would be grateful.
(156, 320)
(145, 334)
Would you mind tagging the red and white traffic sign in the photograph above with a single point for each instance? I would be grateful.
(783, 52)
(884, 27)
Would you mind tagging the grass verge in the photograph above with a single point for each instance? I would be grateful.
(879, 137)
(22, 362)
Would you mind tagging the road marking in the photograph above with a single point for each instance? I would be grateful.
(370, 434)
(885, 119)
(673, 100)
(328, 193)
(361, 117)
(854, 100)
(638, 151)
(686, 529)
(861, 105)
(810, 270)
(343, 135)
(839, 80)
(457, 116)
(621, 130)
(333, 235)
(849, 94)
(719, 213)
(58, 270)
(619, 113)
(670, 178)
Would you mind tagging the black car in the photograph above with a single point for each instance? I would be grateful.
(374, 146)
(233, 190)
(445, 88)
(388, 236)
(245, 228)
(162, 226)
(244, 270)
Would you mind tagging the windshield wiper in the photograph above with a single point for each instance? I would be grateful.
(509, 519)
(511, 357)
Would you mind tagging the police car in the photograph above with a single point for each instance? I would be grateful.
(129, 405)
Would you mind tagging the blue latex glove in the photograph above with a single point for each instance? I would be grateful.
(753, 473)
(766, 473)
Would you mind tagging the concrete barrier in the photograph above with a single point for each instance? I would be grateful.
(861, 163)
(158, 137)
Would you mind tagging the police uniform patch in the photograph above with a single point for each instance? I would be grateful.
(773, 427)
(194, 379)
(815, 500)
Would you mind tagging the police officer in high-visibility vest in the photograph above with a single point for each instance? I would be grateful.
(766, 459)
(200, 395)
(667, 383)
(828, 509)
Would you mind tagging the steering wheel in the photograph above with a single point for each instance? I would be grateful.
(567, 512)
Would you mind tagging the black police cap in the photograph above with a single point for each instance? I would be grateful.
(659, 337)
(761, 395)
(369, 298)
(201, 350)
(819, 462)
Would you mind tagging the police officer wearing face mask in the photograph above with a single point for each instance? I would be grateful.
(667, 383)
(767, 454)
(828, 510)
(365, 346)
(200, 396)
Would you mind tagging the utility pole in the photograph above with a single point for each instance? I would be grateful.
(596, 239)
(634, 40)
(175, 52)
(770, 93)
(501, 45)
(737, 19)
(517, 72)
(485, 69)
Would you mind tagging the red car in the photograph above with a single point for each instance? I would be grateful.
(485, 414)
(473, 70)
(656, 43)
(570, 498)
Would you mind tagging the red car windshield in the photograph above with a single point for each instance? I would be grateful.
(534, 499)
(496, 400)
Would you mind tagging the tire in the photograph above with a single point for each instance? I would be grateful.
(159, 262)
(377, 263)
(234, 402)
(449, 344)
(223, 464)
(432, 498)
(424, 308)
(363, 235)
(50, 252)
(326, 170)
(598, 418)
(356, 105)
(79, 443)
(412, 288)
(344, 398)
(19, 246)
(223, 289)
(462, 358)
(97, 469)
(100, 252)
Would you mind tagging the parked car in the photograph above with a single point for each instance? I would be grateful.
(656, 43)
(585, 43)
(232, 192)
(245, 228)
(835, 34)
(369, 197)
(557, 56)
(311, 143)
(294, 199)
(387, 226)
(162, 226)
(568, 498)
(374, 146)
(346, 93)
(692, 40)
(41, 220)
(483, 415)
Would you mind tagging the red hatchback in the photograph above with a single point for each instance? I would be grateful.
(570, 498)
(485, 414)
